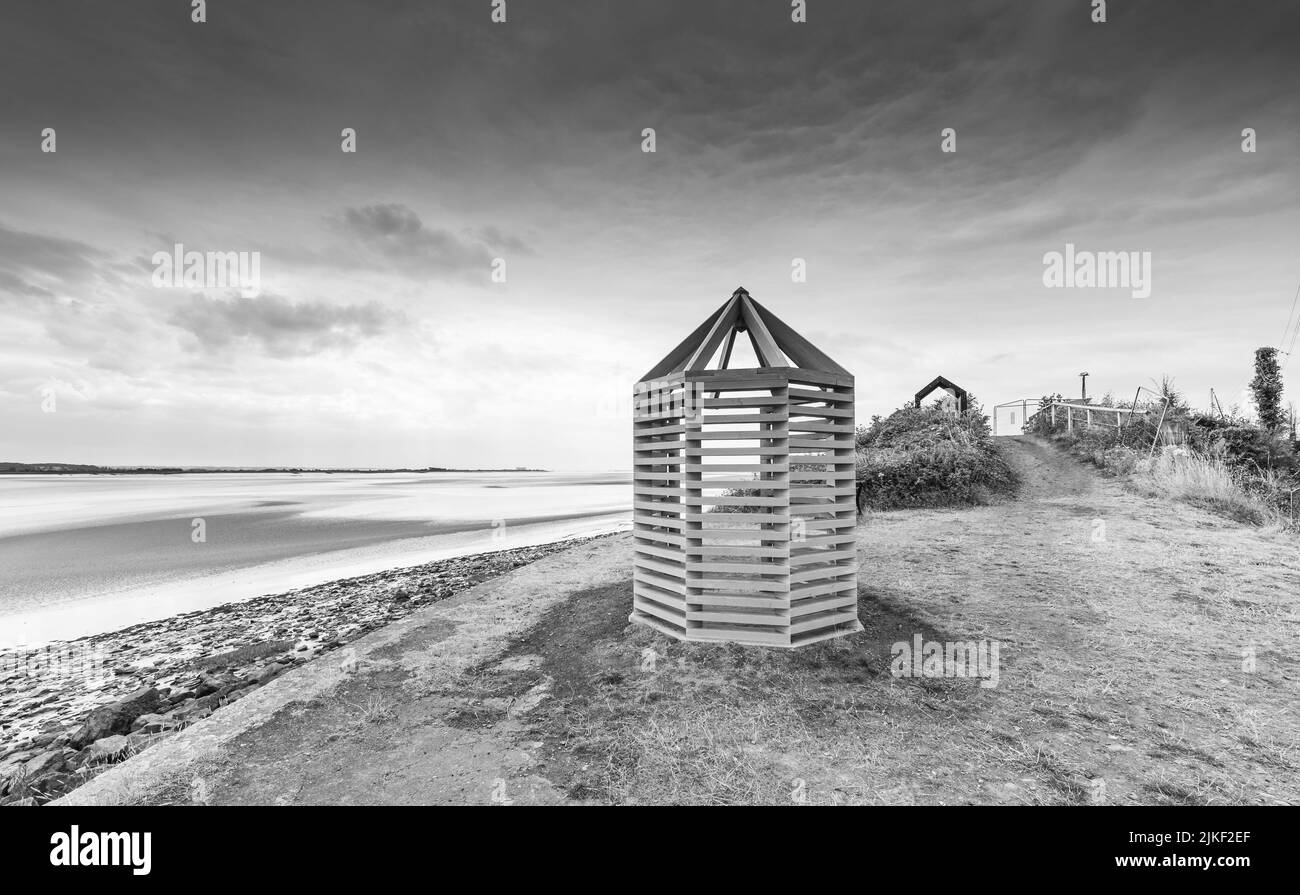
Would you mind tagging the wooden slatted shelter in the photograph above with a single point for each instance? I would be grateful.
(743, 494)
(960, 395)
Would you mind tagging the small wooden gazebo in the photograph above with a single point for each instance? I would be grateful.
(958, 393)
(744, 512)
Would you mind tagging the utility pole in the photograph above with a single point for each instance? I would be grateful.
(1083, 378)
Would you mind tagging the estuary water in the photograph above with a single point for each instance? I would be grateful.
(81, 554)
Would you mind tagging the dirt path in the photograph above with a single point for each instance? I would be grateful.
(1148, 654)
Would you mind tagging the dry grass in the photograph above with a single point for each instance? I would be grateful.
(373, 709)
(1204, 481)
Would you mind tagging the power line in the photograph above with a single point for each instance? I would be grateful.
(1289, 318)
(1290, 350)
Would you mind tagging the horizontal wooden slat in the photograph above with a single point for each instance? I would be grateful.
(660, 567)
(803, 559)
(672, 629)
(760, 518)
(699, 500)
(815, 622)
(737, 618)
(697, 481)
(734, 635)
(737, 585)
(759, 601)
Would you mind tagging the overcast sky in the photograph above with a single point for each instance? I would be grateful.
(378, 338)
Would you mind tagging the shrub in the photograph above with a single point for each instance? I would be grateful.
(924, 457)
(1119, 460)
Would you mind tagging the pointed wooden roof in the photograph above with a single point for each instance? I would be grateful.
(944, 382)
(775, 343)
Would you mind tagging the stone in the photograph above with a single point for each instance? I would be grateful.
(116, 718)
(45, 763)
(109, 748)
(146, 719)
(154, 723)
(208, 683)
(13, 760)
(45, 738)
(268, 673)
(198, 709)
(141, 741)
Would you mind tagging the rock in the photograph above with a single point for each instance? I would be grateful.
(141, 741)
(54, 785)
(45, 763)
(110, 748)
(116, 718)
(154, 723)
(13, 760)
(11, 770)
(268, 673)
(144, 720)
(46, 737)
(198, 709)
(212, 683)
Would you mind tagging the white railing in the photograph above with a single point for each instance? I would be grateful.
(1070, 408)
(1089, 410)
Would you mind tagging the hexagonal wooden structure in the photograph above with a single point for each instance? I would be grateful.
(743, 492)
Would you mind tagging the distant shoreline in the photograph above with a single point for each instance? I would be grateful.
(90, 469)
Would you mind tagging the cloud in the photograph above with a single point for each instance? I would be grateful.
(282, 328)
(393, 236)
(12, 283)
(32, 263)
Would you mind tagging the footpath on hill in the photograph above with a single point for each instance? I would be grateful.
(1147, 654)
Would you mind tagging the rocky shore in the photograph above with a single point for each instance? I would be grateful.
(70, 710)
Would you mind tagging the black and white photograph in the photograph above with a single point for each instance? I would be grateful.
(681, 403)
